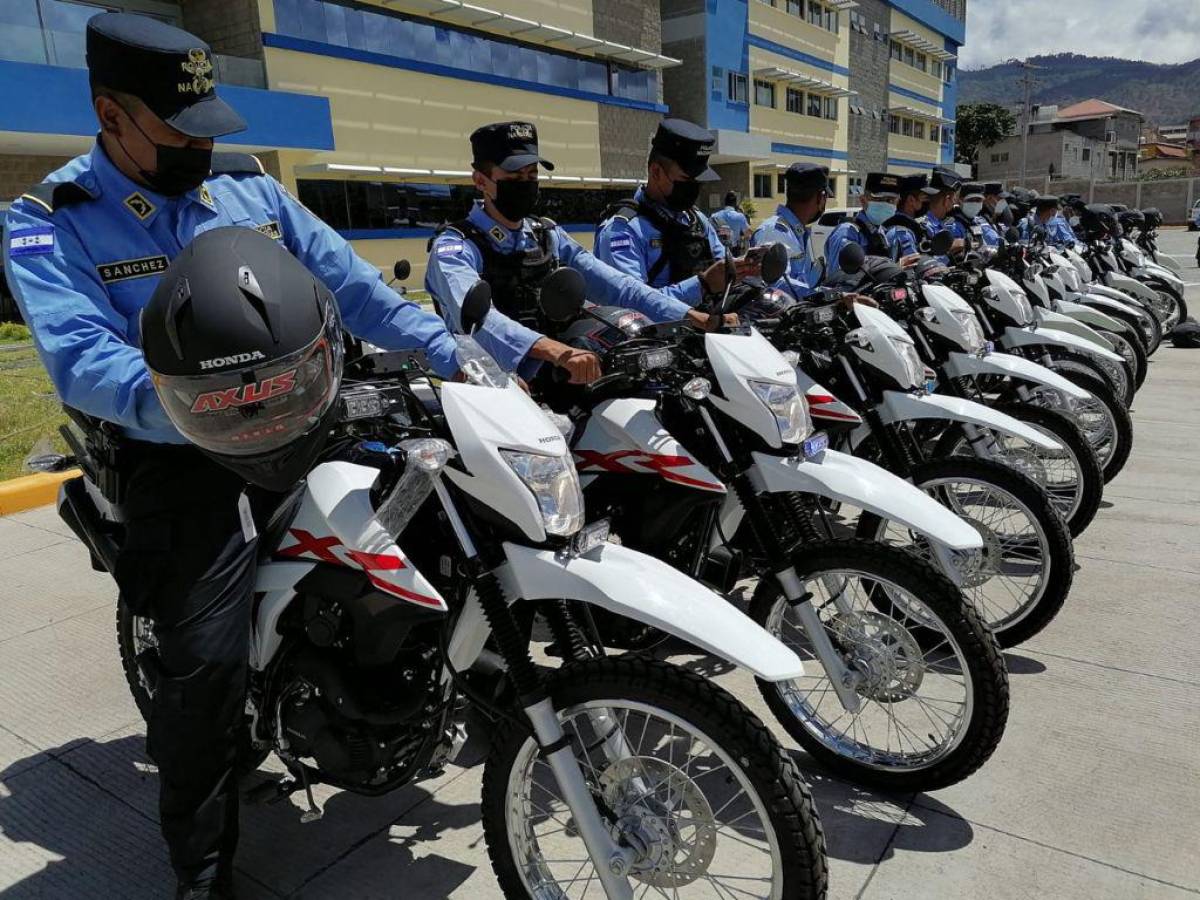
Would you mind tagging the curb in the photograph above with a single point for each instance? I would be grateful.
(29, 491)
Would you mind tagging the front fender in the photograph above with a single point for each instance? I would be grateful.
(865, 485)
(1129, 286)
(1070, 325)
(902, 407)
(1091, 316)
(960, 364)
(642, 588)
(1051, 337)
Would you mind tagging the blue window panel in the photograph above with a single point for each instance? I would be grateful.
(335, 24)
(356, 36)
(312, 20)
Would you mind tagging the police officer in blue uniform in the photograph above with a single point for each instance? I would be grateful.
(501, 242)
(981, 230)
(943, 198)
(881, 193)
(659, 237)
(733, 228)
(83, 253)
(1046, 221)
(995, 206)
(807, 187)
(904, 229)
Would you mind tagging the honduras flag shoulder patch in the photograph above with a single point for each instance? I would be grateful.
(31, 241)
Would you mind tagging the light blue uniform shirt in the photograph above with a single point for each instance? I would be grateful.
(455, 265)
(83, 272)
(856, 231)
(904, 239)
(987, 232)
(804, 273)
(1058, 231)
(737, 223)
(635, 245)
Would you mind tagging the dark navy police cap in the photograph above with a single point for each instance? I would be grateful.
(972, 189)
(1046, 201)
(509, 145)
(943, 179)
(806, 177)
(165, 67)
(910, 184)
(993, 187)
(687, 144)
(882, 183)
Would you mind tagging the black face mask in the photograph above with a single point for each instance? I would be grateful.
(516, 199)
(683, 196)
(177, 169)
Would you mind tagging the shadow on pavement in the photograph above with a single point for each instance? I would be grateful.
(73, 834)
(1023, 665)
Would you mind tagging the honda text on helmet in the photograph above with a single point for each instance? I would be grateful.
(244, 346)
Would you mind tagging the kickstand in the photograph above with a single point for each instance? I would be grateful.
(314, 812)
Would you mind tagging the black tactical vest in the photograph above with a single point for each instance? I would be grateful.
(515, 278)
(686, 250)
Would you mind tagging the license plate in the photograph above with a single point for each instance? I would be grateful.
(815, 445)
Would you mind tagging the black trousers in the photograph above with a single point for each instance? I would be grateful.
(188, 565)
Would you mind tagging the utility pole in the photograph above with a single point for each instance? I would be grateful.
(1027, 81)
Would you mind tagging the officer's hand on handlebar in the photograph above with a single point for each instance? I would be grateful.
(582, 366)
(907, 262)
(711, 321)
(748, 266)
(958, 246)
(848, 300)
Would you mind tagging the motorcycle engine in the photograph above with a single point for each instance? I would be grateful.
(362, 725)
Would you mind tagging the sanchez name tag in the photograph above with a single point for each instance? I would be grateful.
(124, 269)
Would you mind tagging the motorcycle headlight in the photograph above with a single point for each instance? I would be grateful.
(971, 328)
(554, 484)
(788, 407)
(912, 362)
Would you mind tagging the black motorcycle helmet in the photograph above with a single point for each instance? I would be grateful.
(1132, 219)
(1186, 334)
(1098, 221)
(245, 349)
(1153, 217)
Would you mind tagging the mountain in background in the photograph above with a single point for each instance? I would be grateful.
(1164, 94)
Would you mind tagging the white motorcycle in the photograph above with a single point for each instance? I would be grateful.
(435, 516)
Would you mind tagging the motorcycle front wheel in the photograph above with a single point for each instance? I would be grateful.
(1134, 354)
(680, 770)
(1028, 561)
(929, 677)
(1103, 419)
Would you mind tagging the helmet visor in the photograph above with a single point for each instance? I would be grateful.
(256, 409)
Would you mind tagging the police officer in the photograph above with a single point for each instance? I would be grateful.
(981, 230)
(1046, 221)
(84, 251)
(502, 243)
(995, 206)
(881, 193)
(659, 237)
(733, 228)
(904, 229)
(943, 197)
(807, 186)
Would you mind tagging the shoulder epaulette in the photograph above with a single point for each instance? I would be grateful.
(236, 164)
(53, 195)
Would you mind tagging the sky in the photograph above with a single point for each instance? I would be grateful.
(1163, 31)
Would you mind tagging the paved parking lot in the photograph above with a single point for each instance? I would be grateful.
(1094, 792)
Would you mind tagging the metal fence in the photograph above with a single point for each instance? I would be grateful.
(1175, 197)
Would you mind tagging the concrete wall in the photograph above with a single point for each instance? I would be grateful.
(625, 133)
(229, 26)
(18, 173)
(679, 83)
(868, 134)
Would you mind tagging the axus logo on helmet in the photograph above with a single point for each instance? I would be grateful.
(227, 398)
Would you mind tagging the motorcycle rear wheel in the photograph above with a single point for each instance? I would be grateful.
(702, 755)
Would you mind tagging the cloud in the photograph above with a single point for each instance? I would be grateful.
(1132, 29)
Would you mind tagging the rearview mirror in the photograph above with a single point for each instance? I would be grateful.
(940, 243)
(402, 269)
(475, 307)
(774, 263)
(850, 260)
(563, 292)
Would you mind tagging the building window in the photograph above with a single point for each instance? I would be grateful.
(921, 61)
(718, 80)
(935, 69)
(894, 124)
(781, 183)
(737, 88)
(815, 107)
(948, 72)
(919, 130)
(796, 7)
(1086, 156)
(764, 93)
(816, 13)
(909, 56)
(795, 101)
(933, 133)
(831, 108)
(897, 51)
(762, 187)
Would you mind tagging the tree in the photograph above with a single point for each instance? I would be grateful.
(979, 126)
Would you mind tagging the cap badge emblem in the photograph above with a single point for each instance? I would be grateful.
(520, 131)
(200, 67)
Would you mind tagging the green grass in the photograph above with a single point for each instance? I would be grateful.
(30, 412)
(11, 333)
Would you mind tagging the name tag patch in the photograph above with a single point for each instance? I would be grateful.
(271, 230)
(31, 241)
(123, 270)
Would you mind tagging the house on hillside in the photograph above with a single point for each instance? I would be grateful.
(1091, 139)
(1160, 156)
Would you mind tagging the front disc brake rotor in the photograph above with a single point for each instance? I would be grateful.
(884, 652)
(987, 561)
(650, 797)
